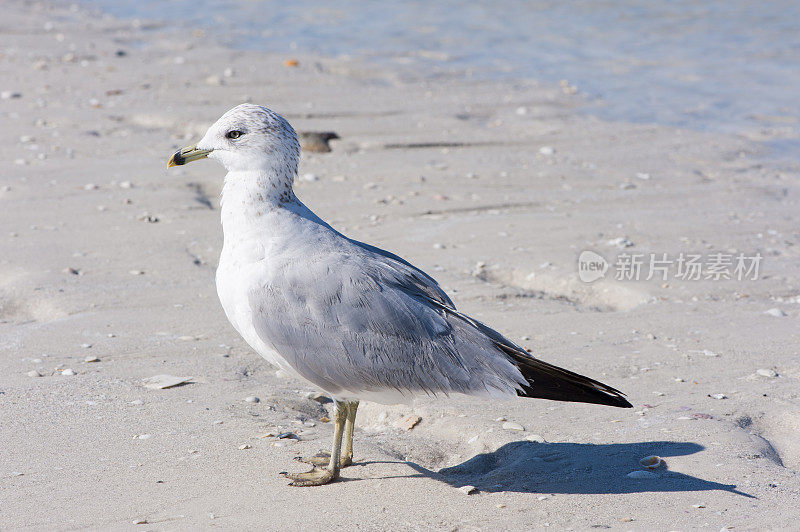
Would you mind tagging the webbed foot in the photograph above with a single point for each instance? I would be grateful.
(318, 476)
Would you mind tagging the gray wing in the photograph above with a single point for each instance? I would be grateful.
(410, 273)
(363, 320)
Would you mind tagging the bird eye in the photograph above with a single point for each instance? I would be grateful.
(233, 134)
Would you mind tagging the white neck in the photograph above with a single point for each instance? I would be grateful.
(251, 199)
(254, 193)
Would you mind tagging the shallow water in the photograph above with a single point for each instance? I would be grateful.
(718, 65)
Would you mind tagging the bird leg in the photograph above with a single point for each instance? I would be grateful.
(349, 427)
(323, 458)
(319, 476)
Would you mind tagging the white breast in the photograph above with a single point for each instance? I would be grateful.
(256, 235)
(242, 264)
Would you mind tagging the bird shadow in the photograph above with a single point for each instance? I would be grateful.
(578, 468)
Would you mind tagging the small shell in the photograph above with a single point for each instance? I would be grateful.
(408, 422)
(652, 462)
(640, 474)
(161, 382)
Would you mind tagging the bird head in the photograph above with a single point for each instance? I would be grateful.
(247, 138)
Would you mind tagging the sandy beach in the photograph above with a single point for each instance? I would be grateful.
(495, 188)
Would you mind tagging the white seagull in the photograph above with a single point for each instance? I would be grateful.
(354, 320)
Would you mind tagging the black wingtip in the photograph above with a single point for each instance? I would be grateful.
(546, 381)
(574, 393)
(621, 402)
(625, 404)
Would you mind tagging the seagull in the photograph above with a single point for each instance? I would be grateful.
(356, 321)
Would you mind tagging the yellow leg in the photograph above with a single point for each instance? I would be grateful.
(349, 426)
(323, 457)
(319, 476)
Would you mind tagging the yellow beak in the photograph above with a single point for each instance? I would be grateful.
(187, 155)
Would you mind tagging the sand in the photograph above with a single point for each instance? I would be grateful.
(493, 187)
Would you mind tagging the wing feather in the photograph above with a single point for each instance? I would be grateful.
(370, 322)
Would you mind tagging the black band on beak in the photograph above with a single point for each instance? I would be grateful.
(178, 159)
(187, 155)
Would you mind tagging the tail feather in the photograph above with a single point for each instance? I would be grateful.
(546, 381)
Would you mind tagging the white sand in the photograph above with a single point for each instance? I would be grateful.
(101, 450)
